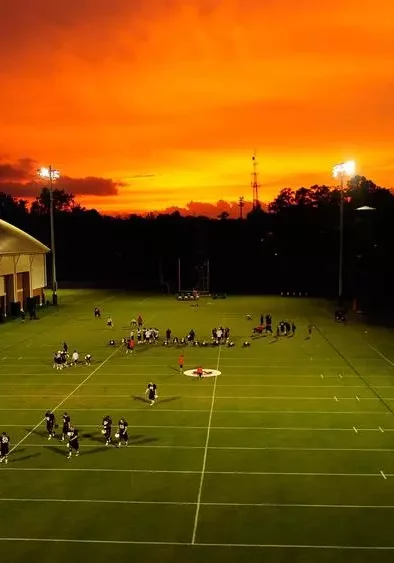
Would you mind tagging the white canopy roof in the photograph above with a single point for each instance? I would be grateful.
(13, 241)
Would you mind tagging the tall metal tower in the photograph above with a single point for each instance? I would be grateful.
(241, 205)
(255, 184)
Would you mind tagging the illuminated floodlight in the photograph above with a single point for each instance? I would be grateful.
(344, 169)
(48, 173)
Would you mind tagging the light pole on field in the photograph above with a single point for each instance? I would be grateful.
(51, 175)
(342, 171)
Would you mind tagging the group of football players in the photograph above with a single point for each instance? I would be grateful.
(70, 433)
(62, 359)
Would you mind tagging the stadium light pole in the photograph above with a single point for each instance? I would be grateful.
(342, 171)
(50, 174)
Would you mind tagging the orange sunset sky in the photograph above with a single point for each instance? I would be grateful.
(149, 104)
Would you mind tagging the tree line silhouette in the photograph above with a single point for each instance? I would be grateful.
(290, 247)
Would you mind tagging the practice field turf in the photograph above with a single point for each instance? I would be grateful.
(286, 457)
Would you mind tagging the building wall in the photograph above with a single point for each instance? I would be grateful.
(30, 277)
(38, 278)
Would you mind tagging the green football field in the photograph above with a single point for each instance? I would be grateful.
(286, 457)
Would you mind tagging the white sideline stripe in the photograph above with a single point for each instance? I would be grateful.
(194, 472)
(249, 397)
(190, 503)
(204, 463)
(280, 428)
(381, 413)
(64, 400)
(201, 544)
(381, 355)
(45, 370)
(257, 448)
(180, 384)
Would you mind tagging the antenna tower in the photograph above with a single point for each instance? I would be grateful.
(255, 184)
(241, 204)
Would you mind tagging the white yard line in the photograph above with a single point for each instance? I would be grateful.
(220, 411)
(188, 503)
(385, 358)
(199, 544)
(204, 463)
(229, 448)
(65, 399)
(194, 472)
(179, 384)
(197, 397)
(232, 428)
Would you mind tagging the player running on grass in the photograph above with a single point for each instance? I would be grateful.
(107, 429)
(122, 433)
(66, 425)
(50, 420)
(4, 447)
(151, 391)
(73, 442)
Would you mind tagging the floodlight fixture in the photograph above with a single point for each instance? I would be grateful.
(51, 174)
(48, 173)
(344, 169)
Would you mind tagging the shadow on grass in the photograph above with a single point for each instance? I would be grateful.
(64, 451)
(146, 440)
(173, 368)
(24, 457)
(41, 433)
(169, 399)
(58, 450)
(96, 450)
(140, 399)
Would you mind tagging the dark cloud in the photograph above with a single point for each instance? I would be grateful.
(90, 186)
(211, 210)
(19, 180)
(18, 171)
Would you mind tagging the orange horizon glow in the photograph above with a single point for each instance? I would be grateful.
(169, 99)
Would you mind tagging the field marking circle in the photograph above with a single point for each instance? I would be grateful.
(206, 373)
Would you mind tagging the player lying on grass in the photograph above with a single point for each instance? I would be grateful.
(4, 447)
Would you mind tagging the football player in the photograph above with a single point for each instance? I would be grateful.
(66, 425)
(151, 391)
(73, 442)
(4, 447)
(107, 429)
(50, 418)
(122, 433)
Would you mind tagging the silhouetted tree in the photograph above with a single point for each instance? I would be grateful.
(62, 201)
(293, 247)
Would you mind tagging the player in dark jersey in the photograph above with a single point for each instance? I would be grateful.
(107, 429)
(50, 419)
(73, 442)
(151, 391)
(122, 434)
(66, 425)
(4, 447)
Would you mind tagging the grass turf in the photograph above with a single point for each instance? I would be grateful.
(286, 457)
